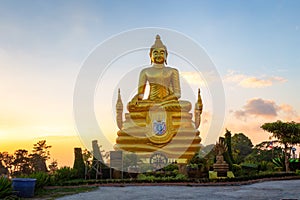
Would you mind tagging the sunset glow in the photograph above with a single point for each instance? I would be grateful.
(254, 45)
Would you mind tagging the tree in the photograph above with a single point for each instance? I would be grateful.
(79, 163)
(287, 133)
(228, 143)
(3, 169)
(241, 147)
(6, 163)
(21, 162)
(228, 154)
(41, 148)
(40, 154)
(53, 166)
(262, 152)
(87, 156)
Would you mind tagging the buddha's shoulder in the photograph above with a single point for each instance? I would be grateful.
(166, 68)
(172, 69)
(146, 70)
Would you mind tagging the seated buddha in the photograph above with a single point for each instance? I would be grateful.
(161, 122)
(163, 81)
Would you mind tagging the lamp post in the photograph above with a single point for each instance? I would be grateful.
(294, 152)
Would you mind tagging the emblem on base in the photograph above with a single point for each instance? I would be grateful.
(159, 127)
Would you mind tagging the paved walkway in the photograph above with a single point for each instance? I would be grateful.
(285, 189)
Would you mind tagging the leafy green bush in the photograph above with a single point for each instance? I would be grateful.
(294, 164)
(144, 177)
(151, 178)
(279, 162)
(236, 169)
(64, 174)
(270, 166)
(279, 169)
(265, 166)
(159, 174)
(249, 166)
(181, 177)
(42, 179)
(192, 166)
(5, 187)
(261, 175)
(170, 167)
(249, 169)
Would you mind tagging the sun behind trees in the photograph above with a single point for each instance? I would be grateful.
(23, 163)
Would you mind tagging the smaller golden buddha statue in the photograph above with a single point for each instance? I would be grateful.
(161, 122)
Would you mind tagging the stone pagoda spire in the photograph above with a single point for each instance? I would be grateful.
(119, 110)
(198, 110)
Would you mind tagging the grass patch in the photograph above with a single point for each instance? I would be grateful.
(52, 193)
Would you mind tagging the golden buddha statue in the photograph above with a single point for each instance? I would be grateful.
(161, 122)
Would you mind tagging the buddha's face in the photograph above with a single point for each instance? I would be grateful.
(158, 55)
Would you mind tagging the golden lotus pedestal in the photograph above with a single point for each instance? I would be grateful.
(150, 128)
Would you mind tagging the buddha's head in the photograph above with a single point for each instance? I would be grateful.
(158, 52)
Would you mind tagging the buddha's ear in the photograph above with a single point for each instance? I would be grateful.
(166, 55)
(150, 55)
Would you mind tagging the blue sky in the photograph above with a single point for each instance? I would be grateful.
(260, 29)
(255, 46)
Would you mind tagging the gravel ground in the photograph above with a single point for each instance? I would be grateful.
(285, 189)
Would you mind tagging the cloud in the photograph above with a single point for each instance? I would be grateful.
(200, 79)
(252, 81)
(193, 78)
(288, 113)
(255, 113)
(258, 107)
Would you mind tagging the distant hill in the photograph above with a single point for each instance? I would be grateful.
(205, 150)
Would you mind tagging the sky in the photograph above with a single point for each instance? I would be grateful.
(254, 46)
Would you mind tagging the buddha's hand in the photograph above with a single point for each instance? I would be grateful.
(170, 97)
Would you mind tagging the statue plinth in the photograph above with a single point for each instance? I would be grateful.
(170, 132)
(221, 167)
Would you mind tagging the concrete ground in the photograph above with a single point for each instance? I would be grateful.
(285, 189)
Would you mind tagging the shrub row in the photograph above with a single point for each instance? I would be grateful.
(63, 178)
(179, 178)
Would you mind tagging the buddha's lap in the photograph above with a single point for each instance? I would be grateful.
(173, 105)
